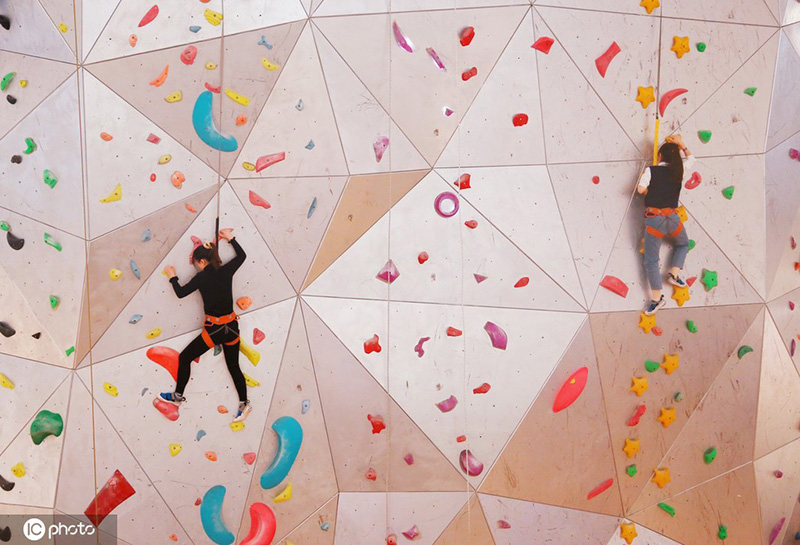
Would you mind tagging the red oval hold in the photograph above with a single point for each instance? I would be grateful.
(522, 282)
(422, 257)
(469, 74)
(472, 224)
(149, 16)
(188, 55)
(152, 177)
(520, 120)
(466, 36)
(595, 180)
(572, 388)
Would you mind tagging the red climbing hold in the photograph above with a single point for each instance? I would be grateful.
(149, 16)
(213, 89)
(472, 224)
(463, 181)
(153, 139)
(605, 485)
(522, 282)
(422, 257)
(520, 119)
(170, 411)
(116, 490)
(258, 336)
(249, 458)
(667, 98)
(453, 332)
(634, 420)
(372, 345)
(461, 438)
(691, 281)
(482, 389)
(371, 475)
(791, 305)
(166, 357)
(572, 388)
(188, 55)
(269, 160)
(694, 181)
(605, 59)
(612, 283)
(793, 243)
(377, 423)
(657, 331)
(466, 36)
(468, 74)
(595, 180)
(153, 177)
(543, 44)
(256, 200)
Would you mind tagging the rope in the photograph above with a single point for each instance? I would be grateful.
(389, 285)
(215, 238)
(658, 85)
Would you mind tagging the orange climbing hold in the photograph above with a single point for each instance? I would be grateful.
(178, 179)
(159, 81)
(222, 409)
(105, 136)
(244, 303)
(211, 456)
(241, 120)
(190, 208)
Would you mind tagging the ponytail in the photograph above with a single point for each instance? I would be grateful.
(210, 252)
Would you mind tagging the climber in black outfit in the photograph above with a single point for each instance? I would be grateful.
(215, 282)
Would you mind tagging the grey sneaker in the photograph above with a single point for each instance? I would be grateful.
(173, 397)
(653, 307)
(676, 281)
(244, 411)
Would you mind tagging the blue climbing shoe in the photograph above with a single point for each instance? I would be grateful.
(244, 411)
(676, 281)
(653, 307)
(173, 397)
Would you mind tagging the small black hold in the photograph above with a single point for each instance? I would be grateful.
(14, 241)
(37, 335)
(8, 486)
(16, 159)
(5, 22)
(7, 331)
(11, 99)
(5, 534)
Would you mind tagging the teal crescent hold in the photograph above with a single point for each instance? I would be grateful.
(204, 125)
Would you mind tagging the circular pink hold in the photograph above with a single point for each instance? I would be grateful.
(446, 204)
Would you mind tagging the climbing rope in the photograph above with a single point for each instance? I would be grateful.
(658, 86)
(215, 238)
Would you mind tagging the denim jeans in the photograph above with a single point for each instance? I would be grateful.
(652, 246)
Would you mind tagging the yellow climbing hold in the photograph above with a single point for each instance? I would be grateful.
(153, 333)
(650, 5)
(110, 389)
(236, 97)
(680, 45)
(213, 17)
(631, 447)
(249, 352)
(286, 495)
(639, 385)
(23, 83)
(645, 96)
(63, 28)
(627, 532)
(647, 323)
(237, 426)
(115, 274)
(661, 477)
(248, 166)
(670, 363)
(667, 416)
(211, 65)
(174, 449)
(5, 382)
(250, 381)
(115, 195)
(271, 66)
(18, 470)
(164, 159)
(174, 97)
(681, 295)
(681, 211)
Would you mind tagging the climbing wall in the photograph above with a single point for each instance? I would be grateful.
(441, 305)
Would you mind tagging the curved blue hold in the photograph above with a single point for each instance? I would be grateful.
(311, 210)
(204, 125)
(135, 270)
(211, 515)
(290, 437)
(147, 235)
(200, 434)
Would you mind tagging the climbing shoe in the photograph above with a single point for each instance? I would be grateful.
(653, 307)
(173, 397)
(244, 411)
(676, 281)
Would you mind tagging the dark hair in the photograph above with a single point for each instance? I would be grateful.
(671, 154)
(209, 254)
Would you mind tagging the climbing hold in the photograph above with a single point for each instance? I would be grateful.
(164, 159)
(249, 353)
(69, 351)
(709, 279)
(174, 449)
(30, 146)
(649, 5)
(744, 349)
(50, 241)
(244, 303)
(657, 331)
(54, 302)
(519, 120)
(249, 458)
(175, 96)
(409, 459)
(16, 159)
(453, 332)
(269, 66)
(469, 464)
(404, 43)
(694, 181)
(18, 470)
(177, 179)
(305, 406)
(377, 423)
(200, 435)
(704, 136)
(522, 282)
(268, 160)
(4, 83)
(595, 180)
(680, 45)
(723, 532)
(213, 17)
(388, 272)
(258, 336)
(793, 154)
(497, 336)
(466, 36)
(728, 192)
(639, 385)
(50, 179)
(115, 274)
(370, 475)
(647, 323)
(670, 363)
(115, 195)
(379, 146)
(237, 98)
(461, 438)
(446, 204)
(262, 525)
(628, 532)
(615, 285)
(241, 120)
(44, 425)
(11, 99)
(634, 420)
(602, 487)
(543, 44)
(250, 381)
(667, 416)
(691, 326)
(661, 477)
(605, 59)
(776, 530)
(668, 509)
(418, 349)
(469, 74)
(211, 456)
(285, 495)
(153, 333)
(472, 224)
(631, 470)
(116, 490)
(165, 357)
(147, 235)
(5, 382)
(645, 96)
(750, 91)
(194, 28)
(668, 97)
(135, 270)
(436, 59)
(504, 524)
(778, 474)
(701, 46)
(448, 404)
(5, 22)
(211, 514)
(571, 389)
(412, 534)
(151, 14)
(110, 389)
(203, 123)
(372, 345)
(263, 41)
(311, 208)
(482, 389)
(248, 166)
(651, 366)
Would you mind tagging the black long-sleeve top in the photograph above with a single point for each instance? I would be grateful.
(215, 285)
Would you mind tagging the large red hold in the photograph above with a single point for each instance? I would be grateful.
(543, 44)
(572, 388)
(166, 357)
(520, 119)
(116, 490)
(149, 16)
(605, 59)
(614, 284)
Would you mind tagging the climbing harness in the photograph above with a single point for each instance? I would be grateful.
(222, 322)
(664, 212)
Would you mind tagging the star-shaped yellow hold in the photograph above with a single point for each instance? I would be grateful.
(670, 363)
(639, 385)
(661, 477)
(647, 323)
(645, 96)
(667, 416)
(650, 5)
(681, 295)
(628, 532)
(631, 447)
(680, 45)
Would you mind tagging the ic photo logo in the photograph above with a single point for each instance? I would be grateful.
(34, 529)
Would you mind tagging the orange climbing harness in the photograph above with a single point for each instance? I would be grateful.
(653, 212)
(220, 321)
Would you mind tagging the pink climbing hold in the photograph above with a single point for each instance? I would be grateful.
(479, 277)
(151, 14)
(166, 357)
(778, 474)
(371, 475)
(503, 524)
(388, 273)
(153, 139)
(792, 243)
(605, 59)
(412, 534)
(668, 97)
(776, 530)
(466, 36)
(116, 490)
(469, 464)
(436, 59)
(401, 39)
(170, 411)
(372, 345)
(188, 55)
(379, 146)
(258, 336)
(694, 181)
(791, 305)
(249, 458)
(262, 525)
(496, 334)
(448, 404)
(543, 44)
(268, 160)
(572, 388)
(602, 487)
(377, 422)
(794, 154)
(257, 200)
(614, 284)
(418, 349)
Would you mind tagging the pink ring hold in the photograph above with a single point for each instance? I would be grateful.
(446, 196)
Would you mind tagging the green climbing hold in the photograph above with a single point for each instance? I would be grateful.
(31, 146)
(54, 302)
(678, 396)
(49, 179)
(704, 136)
(651, 366)
(691, 326)
(728, 192)
(744, 349)
(750, 91)
(710, 455)
(70, 350)
(701, 46)
(50, 241)
(692, 244)
(668, 509)
(46, 424)
(6, 80)
(5, 226)
(631, 470)
(709, 279)
(723, 532)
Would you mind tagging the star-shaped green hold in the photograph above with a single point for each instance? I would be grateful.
(709, 279)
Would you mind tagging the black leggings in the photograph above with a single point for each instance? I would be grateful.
(198, 347)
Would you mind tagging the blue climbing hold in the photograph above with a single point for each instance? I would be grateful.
(310, 145)
(306, 405)
(204, 125)
(263, 41)
(135, 270)
(290, 438)
(135, 319)
(312, 208)
(200, 434)
(147, 235)
(194, 28)
(211, 516)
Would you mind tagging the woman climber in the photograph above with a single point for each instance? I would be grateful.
(215, 282)
(661, 185)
